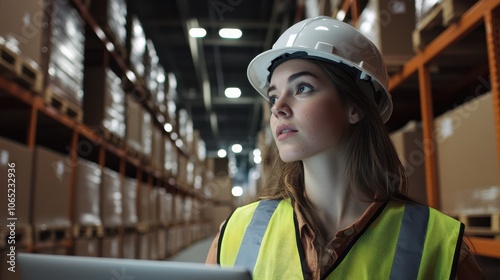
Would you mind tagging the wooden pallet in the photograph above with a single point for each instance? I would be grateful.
(23, 237)
(132, 152)
(437, 19)
(22, 70)
(142, 227)
(486, 225)
(143, 159)
(112, 231)
(112, 138)
(63, 105)
(80, 231)
(52, 235)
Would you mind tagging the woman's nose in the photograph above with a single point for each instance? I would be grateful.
(281, 108)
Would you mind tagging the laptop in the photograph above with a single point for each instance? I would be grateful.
(57, 267)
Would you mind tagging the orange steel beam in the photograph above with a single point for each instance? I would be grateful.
(492, 23)
(33, 126)
(346, 6)
(484, 247)
(73, 154)
(469, 20)
(355, 11)
(428, 139)
(16, 90)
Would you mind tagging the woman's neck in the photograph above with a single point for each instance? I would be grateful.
(327, 189)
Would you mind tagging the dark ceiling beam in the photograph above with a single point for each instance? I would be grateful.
(232, 43)
(223, 101)
(209, 24)
(177, 42)
(272, 25)
(199, 63)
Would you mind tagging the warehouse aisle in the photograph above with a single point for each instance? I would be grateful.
(197, 252)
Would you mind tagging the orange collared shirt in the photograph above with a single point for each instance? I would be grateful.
(467, 265)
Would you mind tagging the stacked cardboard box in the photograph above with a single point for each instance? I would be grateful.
(408, 142)
(380, 20)
(467, 158)
(88, 194)
(111, 199)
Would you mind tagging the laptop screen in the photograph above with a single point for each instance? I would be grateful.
(42, 266)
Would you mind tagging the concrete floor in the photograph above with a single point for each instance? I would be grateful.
(195, 253)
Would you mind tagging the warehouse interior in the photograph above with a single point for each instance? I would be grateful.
(131, 129)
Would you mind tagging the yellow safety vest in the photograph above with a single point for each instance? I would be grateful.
(402, 241)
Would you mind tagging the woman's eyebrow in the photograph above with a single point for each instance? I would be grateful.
(300, 74)
(293, 77)
(271, 88)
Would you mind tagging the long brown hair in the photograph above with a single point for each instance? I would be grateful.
(372, 164)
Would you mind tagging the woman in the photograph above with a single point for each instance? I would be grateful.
(335, 207)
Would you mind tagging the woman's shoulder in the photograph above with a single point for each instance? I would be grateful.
(250, 207)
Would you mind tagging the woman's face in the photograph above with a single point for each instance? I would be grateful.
(307, 114)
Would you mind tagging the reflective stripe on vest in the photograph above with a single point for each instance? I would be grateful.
(249, 249)
(280, 237)
(393, 246)
(411, 241)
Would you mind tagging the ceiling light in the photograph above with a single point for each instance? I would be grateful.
(160, 78)
(172, 80)
(256, 152)
(232, 92)
(197, 32)
(236, 148)
(257, 159)
(222, 153)
(179, 143)
(168, 127)
(230, 33)
(237, 191)
(341, 15)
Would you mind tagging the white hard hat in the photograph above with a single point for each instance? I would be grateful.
(325, 38)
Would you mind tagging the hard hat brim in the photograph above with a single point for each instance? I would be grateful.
(257, 72)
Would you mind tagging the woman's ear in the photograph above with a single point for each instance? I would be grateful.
(354, 115)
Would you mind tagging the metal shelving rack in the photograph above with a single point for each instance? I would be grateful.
(33, 107)
(484, 11)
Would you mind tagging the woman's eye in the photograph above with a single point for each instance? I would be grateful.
(272, 101)
(303, 88)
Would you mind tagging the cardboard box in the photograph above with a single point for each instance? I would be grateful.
(153, 206)
(111, 15)
(104, 101)
(111, 247)
(408, 142)
(136, 45)
(87, 193)
(162, 243)
(51, 186)
(143, 246)
(111, 199)
(24, 21)
(153, 244)
(87, 247)
(21, 156)
(171, 154)
(134, 123)
(158, 146)
(130, 217)
(467, 158)
(130, 245)
(165, 206)
(383, 20)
